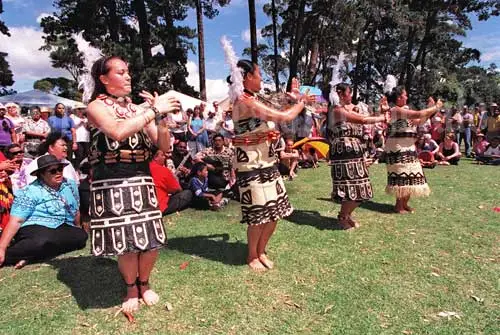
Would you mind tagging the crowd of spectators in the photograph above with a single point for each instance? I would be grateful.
(45, 176)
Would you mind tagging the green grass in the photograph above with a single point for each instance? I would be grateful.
(391, 276)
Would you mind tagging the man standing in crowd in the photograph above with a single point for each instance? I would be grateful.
(36, 130)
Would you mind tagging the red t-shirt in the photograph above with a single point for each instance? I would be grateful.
(165, 183)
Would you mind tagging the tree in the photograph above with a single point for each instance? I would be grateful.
(43, 85)
(128, 29)
(204, 8)
(6, 76)
(60, 86)
(253, 31)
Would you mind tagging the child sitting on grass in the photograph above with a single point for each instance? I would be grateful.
(203, 199)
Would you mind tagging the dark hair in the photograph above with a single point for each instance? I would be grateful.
(339, 88)
(246, 65)
(57, 104)
(100, 67)
(197, 168)
(51, 139)
(154, 150)
(395, 93)
(6, 150)
(36, 108)
(217, 136)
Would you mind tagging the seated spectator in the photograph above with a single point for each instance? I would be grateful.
(202, 198)
(183, 163)
(219, 160)
(19, 176)
(36, 130)
(44, 218)
(171, 197)
(427, 149)
(449, 153)
(308, 158)
(481, 145)
(60, 122)
(288, 160)
(492, 153)
(56, 144)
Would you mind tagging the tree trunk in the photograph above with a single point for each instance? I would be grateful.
(113, 21)
(407, 62)
(201, 51)
(275, 41)
(140, 11)
(253, 31)
(296, 44)
(313, 63)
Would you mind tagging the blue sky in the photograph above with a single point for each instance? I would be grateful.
(30, 64)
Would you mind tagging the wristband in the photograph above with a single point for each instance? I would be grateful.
(155, 110)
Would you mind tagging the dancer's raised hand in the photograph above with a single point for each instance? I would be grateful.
(383, 104)
(430, 102)
(164, 106)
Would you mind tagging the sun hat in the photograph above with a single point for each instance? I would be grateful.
(45, 161)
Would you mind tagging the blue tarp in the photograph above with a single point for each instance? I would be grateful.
(37, 98)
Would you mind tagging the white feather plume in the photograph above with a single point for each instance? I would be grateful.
(90, 56)
(236, 86)
(390, 83)
(336, 79)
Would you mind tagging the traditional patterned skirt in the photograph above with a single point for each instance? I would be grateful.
(405, 176)
(263, 196)
(125, 216)
(350, 180)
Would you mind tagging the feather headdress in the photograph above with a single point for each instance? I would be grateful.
(236, 85)
(90, 56)
(336, 79)
(390, 83)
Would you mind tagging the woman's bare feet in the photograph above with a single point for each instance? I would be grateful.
(266, 261)
(344, 222)
(400, 210)
(256, 265)
(21, 264)
(352, 222)
(131, 301)
(149, 296)
(409, 209)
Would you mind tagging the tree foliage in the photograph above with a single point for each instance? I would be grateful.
(416, 40)
(128, 29)
(6, 76)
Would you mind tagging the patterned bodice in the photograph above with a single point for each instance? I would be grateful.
(128, 158)
(345, 129)
(401, 128)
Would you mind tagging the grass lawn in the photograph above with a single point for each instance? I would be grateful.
(394, 275)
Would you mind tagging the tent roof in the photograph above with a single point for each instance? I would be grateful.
(38, 98)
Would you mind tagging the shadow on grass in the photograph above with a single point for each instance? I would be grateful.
(371, 206)
(313, 219)
(378, 207)
(214, 247)
(94, 282)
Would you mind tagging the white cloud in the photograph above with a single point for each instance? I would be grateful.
(245, 35)
(26, 61)
(41, 16)
(216, 88)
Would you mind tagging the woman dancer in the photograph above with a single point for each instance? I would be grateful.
(405, 177)
(351, 183)
(125, 217)
(262, 192)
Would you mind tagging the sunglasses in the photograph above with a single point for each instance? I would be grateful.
(58, 169)
(13, 153)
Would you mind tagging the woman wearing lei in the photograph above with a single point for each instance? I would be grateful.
(125, 217)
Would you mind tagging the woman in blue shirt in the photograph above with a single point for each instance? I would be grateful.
(44, 218)
(59, 122)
